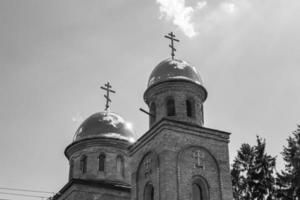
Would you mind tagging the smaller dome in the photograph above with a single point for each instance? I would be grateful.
(105, 125)
(176, 69)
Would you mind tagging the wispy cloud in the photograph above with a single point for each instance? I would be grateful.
(78, 118)
(180, 14)
(229, 7)
(188, 18)
(201, 5)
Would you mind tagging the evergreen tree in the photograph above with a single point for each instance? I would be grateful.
(243, 163)
(252, 173)
(288, 181)
(263, 174)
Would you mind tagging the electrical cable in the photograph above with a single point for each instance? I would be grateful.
(5, 199)
(26, 190)
(23, 195)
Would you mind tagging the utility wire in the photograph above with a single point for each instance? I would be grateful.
(5, 199)
(23, 195)
(25, 190)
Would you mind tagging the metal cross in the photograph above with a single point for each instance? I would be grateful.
(171, 36)
(108, 89)
(198, 155)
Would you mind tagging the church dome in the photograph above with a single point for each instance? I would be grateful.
(105, 125)
(176, 69)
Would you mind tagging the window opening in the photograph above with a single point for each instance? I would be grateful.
(149, 192)
(120, 165)
(83, 164)
(152, 112)
(101, 160)
(197, 192)
(170, 107)
(71, 169)
(190, 108)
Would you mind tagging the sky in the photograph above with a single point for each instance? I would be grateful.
(54, 56)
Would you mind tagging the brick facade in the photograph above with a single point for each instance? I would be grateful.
(173, 169)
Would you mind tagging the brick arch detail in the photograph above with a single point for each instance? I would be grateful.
(178, 179)
(153, 179)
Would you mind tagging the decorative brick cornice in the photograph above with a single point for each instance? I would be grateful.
(175, 85)
(121, 186)
(91, 142)
(179, 126)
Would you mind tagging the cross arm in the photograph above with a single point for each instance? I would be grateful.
(171, 38)
(107, 98)
(112, 91)
(172, 47)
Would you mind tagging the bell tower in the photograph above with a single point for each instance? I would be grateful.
(178, 158)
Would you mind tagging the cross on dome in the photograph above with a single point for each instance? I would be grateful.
(171, 36)
(108, 89)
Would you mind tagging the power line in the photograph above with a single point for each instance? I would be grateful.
(26, 190)
(5, 199)
(23, 195)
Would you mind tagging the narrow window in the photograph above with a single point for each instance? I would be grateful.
(170, 107)
(71, 169)
(83, 164)
(152, 112)
(101, 162)
(190, 108)
(120, 165)
(149, 192)
(197, 192)
(202, 115)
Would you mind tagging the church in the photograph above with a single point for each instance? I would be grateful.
(178, 158)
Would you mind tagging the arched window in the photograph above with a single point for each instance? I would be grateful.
(190, 108)
(202, 114)
(71, 168)
(197, 192)
(152, 112)
(83, 164)
(149, 192)
(120, 165)
(170, 107)
(101, 162)
(200, 189)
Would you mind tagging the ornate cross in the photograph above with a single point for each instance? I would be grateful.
(198, 155)
(171, 36)
(108, 89)
(147, 166)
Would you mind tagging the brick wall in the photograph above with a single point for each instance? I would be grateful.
(174, 143)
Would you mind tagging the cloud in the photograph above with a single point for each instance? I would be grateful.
(180, 14)
(78, 118)
(229, 7)
(201, 14)
(201, 5)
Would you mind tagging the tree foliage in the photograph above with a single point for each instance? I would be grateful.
(252, 173)
(288, 181)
